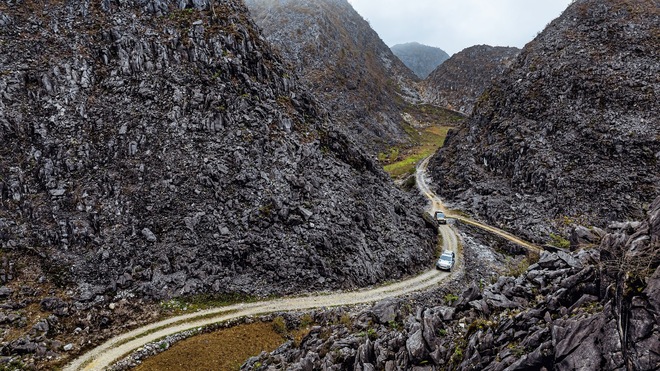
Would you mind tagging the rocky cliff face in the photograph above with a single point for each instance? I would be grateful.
(159, 148)
(596, 309)
(571, 132)
(345, 63)
(457, 83)
(421, 59)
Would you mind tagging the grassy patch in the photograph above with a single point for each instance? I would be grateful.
(427, 131)
(559, 241)
(450, 298)
(225, 349)
(430, 139)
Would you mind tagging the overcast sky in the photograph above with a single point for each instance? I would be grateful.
(454, 25)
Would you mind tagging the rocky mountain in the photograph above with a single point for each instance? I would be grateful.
(334, 50)
(421, 59)
(595, 309)
(457, 83)
(571, 132)
(159, 148)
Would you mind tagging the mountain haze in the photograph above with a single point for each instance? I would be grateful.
(345, 63)
(421, 59)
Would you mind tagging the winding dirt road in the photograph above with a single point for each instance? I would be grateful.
(422, 184)
(107, 353)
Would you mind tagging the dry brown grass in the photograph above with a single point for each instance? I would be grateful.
(225, 349)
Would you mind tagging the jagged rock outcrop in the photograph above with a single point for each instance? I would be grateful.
(571, 131)
(344, 62)
(458, 82)
(595, 309)
(421, 59)
(160, 148)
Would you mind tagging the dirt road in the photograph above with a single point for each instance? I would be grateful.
(107, 353)
(436, 204)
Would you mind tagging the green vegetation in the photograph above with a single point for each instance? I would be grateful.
(516, 269)
(403, 162)
(371, 333)
(559, 241)
(306, 320)
(389, 156)
(394, 325)
(431, 125)
(517, 350)
(457, 357)
(279, 325)
(450, 298)
(13, 365)
(479, 324)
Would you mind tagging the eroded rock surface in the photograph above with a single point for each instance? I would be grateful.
(458, 82)
(153, 149)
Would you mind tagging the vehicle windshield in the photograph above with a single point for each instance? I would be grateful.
(445, 258)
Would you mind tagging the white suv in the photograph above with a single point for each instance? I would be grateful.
(446, 261)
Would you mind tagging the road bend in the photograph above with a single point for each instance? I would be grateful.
(437, 204)
(119, 346)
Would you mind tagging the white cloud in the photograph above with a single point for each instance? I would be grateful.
(454, 25)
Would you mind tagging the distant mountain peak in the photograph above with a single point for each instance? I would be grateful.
(421, 59)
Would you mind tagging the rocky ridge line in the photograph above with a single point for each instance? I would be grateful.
(458, 83)
(421, 59)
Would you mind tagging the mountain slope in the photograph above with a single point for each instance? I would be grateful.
(571, 133)
(457, 83)
(345, 63)
(421, 59)
(172, 155)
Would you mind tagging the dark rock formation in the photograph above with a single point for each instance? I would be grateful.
(571, 132)
(344, 62)
(160, 148)
(596, 309)
(458, 82)
(421, 59)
